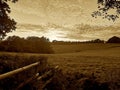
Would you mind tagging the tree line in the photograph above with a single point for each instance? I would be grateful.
(28, 45)
(113, 39)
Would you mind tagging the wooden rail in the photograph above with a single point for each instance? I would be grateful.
(37, 77)
(8, 74)
(34, 77)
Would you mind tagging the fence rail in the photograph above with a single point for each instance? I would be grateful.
(36, 76)
(8, 74)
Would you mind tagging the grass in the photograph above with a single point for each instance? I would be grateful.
(83, 47)
(101, 61)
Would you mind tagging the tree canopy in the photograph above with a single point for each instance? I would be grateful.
(30, 45)
(6, 23)
(114, 39)
(105, 8)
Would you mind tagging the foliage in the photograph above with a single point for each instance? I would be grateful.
(77, 42)
(6, 23)
(30, 45)
(95, 41)
(105, 7)
(114, 39)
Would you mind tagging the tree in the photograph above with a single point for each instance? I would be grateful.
(105, 8)
(114, 39)
(6, 23)
(29, 45)
(96, 41)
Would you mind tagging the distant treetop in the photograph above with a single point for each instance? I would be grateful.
(114, 39)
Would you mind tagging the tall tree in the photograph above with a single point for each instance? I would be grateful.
(6, 23)
(105, 8)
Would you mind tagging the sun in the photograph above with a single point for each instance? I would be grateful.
(54, 34)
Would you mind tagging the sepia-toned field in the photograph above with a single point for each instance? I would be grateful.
(88, 58)
(84, 57)
(102, 60)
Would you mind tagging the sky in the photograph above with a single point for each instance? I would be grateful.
(61, 20)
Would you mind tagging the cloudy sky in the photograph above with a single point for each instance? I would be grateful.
(61, 20)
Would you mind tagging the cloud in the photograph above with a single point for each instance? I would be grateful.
(87, 32)
(53, 11)
(75, 32)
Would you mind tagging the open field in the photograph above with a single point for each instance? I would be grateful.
(85, 47)
(101, 59)
(83, 56)
(86, 53)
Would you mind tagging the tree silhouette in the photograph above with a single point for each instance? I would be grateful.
(29, 45)
(114, 39)
(6, 23)
(105, 8)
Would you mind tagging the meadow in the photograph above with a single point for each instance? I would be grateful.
(102, 60)
(85, 55)
(97, 65)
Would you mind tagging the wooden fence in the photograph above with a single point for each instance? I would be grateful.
(8, 74)
(37, 76)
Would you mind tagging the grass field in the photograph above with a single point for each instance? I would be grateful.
(84, 57)
(88, 58)
(101, 59)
